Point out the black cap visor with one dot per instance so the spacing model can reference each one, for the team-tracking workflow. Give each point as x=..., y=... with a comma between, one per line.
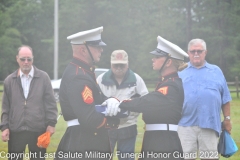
x=159, y=52
x=96, y=43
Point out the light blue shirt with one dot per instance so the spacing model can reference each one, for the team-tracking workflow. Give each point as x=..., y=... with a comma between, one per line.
x=205, y=91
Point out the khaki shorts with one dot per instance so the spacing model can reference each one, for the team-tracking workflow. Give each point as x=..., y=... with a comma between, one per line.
x=198, y=142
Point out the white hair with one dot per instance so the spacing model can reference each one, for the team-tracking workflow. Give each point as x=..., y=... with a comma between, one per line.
x=197, y=41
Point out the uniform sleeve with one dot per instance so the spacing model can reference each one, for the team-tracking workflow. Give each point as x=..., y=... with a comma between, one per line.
x=50, y=104
x=152, y=101
x=5, y=109
x=81, y=98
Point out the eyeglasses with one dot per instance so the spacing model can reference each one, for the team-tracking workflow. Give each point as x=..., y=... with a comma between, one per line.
x=119, y=65
x=24, y=59
x=198, y=51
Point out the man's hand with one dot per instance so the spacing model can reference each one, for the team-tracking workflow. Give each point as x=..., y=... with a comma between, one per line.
x=5, y=135
x=51, y=130
x=112, y=106
x=227, y=126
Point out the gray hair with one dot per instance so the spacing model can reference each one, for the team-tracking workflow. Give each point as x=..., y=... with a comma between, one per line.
x=197, y=41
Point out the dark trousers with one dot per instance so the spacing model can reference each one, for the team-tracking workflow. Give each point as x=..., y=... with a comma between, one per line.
x=17, y=144
x=125, y=139
x=124, y=147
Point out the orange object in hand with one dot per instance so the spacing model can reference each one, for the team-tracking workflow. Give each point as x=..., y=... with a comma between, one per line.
x=44, y=140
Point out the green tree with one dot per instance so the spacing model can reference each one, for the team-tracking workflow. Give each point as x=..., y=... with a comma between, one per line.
x=9, y=40
x=130, y=25
x=217, y=22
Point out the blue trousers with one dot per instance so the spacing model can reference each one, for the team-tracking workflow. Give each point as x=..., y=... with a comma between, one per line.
x=125, y=139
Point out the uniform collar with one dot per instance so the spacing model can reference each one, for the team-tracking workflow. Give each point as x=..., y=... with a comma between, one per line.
x=83, y=64
x=168, y=76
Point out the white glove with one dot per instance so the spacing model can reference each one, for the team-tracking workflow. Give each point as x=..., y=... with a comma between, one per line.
x=112, y=107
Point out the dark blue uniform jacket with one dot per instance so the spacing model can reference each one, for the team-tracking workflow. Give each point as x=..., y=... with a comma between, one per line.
x=79, y=93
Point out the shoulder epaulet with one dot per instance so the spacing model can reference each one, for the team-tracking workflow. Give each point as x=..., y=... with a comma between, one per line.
x=78, y=68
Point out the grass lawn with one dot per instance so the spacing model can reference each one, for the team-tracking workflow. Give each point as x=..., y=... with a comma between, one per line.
x=61, y=127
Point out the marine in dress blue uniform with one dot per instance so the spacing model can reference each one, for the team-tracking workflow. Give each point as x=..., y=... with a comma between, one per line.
x=161, y=109
x=86, y=136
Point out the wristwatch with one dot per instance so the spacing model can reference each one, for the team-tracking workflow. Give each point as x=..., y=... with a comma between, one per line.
x=227, y=117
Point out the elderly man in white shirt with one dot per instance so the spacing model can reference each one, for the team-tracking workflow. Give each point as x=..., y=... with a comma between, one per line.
x=122, y=83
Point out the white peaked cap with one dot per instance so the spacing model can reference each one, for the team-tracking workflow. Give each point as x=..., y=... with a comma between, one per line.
x=91, y=37
x=166, y=48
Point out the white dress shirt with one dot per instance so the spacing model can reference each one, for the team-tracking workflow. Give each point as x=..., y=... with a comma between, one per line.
x=26, y=81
